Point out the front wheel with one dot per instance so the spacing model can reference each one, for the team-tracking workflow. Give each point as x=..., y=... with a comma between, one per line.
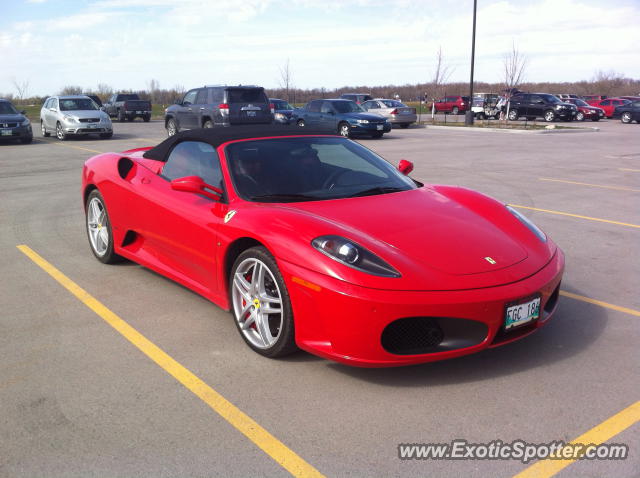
x=146, y=118
x=106, y=135
x=580, y=116
x=172, y=127
x=261, y=305
x=344, y=130
x=455, y=110
x=626, y=117
x=60, y=134
x=513, y=114
x=595, y=118
x=549, y=116
x=26, y=139
x=99, y=229
x=301, y=123
x=121, y=116
x=43, y=128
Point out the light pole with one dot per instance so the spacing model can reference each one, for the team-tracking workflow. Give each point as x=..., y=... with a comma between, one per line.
x=468, y=117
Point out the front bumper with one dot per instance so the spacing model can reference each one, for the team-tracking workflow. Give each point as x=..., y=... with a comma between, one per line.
x=82, y=129
x=16, y=132
x=369, y=128
x=403, y=119
x=345, y=322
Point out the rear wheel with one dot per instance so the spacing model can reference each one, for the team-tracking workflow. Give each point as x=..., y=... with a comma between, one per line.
x=146, y=118
x=208, y=124
x=549, y=116
x=26, y=139
x=455, y=110
x=60, y=134
x=172, y=127
x=480, y=116
x=261, y=305
x=121, y=116
x=377, y=134
x=43, y=128
x=344, y=129
x=99, y=229
x=301, y=123
x=626, y=117
x=404, y=125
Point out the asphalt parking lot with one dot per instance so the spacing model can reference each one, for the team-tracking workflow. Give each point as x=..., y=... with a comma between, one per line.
x=78, y=399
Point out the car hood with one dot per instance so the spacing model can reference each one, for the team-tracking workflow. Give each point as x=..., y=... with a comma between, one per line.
x=363, y=116
x=84, y=113
x=12, y=118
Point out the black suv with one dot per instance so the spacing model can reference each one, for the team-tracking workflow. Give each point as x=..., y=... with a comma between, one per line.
x=540, y=105
x=213, y=106
x=357, y=97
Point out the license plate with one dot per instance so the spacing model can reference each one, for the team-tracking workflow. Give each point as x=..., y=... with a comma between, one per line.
x=520, y=314
x=5, y=132
x=251, y=113
x=380, y=126
x=138, y=112
x=92, y=125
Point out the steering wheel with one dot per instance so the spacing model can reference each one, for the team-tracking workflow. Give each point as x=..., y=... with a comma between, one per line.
x=330, y=182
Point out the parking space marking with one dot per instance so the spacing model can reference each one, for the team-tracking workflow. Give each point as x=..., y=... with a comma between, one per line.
x=629, y=169
x=75, y=147
x=607, y=305
x=152, y=140
x=619, y=188
x=596, y=436
x=264, y=440
x=576, y=215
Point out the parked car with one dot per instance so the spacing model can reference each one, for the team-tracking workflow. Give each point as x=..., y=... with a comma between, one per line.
x=630, y=98
x=342, y=116
x=359, y=98
x=73, y=115
x=127, y=107
x=282, y=110
x=628, y=112
x=609, y=105
x=452, y=104
x=590, y=98
x=540, y=105
x=485, y=105
x=216, y=106
x=96, y=99
x=566, y=96
x=394, y=111
x=314, y=242
x=14, y=124
x=586, y=111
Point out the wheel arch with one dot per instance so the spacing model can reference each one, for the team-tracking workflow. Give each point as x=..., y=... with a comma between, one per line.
x=85, y=195
x=234, y=249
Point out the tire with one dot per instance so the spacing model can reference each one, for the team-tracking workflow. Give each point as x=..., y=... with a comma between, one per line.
x=121, y=116
x=455, y=110
x=172, y=127
x=580, y=116
x=106, y=135
x=549, y=116
x=344, y=130
x=513, y=115
x=146, y=118
x=99, y=229
x=404, y=125
x=208, y=124
x=256, y=285
x=626, y=117
x=480, y=116
x=301, y=123
x=43, y=128
x=377, y=134
x=26, y=139
x=60, y=134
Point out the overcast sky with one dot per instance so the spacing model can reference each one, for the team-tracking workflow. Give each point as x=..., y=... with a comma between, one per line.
x=329, y=43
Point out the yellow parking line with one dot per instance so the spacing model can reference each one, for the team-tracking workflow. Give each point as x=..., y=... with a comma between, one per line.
x=629, y=169
x=596, y=436
x=576, y=215
x=273, y=447
x=626, y=310
x=75, y=147
x=619, y=188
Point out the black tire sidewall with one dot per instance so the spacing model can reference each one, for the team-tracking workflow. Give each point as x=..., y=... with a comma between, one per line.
x=110, y=256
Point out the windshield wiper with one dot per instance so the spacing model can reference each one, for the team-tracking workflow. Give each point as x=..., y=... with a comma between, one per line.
x=378, y=190
x=284, y=197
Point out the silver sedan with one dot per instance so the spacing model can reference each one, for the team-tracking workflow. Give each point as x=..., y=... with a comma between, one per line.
x=395, y=111
x=73, y=115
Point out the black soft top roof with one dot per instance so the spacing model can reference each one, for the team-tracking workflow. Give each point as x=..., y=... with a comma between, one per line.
x=217, y=136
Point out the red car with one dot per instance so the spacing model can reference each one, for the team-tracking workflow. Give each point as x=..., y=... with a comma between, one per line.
x=452, y=104
x=585, y=111
x=608, y=105
x=315, y=242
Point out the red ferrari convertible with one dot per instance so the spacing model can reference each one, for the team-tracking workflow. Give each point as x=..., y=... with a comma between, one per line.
x=315, y=242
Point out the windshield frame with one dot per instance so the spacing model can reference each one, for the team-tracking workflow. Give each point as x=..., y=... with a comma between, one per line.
x=11, y=107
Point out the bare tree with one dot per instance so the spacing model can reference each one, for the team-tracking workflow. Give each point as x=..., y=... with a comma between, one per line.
x=608, y=82
x=104, y=91
x=515, y=65
x=441, y=75
x=71, y=90
x=22, y=87
x=153, y=87
x=285, y=78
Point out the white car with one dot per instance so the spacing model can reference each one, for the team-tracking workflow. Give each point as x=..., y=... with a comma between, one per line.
x=73, y=115
x=394, y=111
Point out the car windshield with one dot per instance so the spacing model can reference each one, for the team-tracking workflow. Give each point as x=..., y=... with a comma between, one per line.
x=310, y=169
x=551, y=99
x=393, y=104
x=282, y=105
x=578, y=102
x=73, y=104
x=7, y=109
x=347, y=107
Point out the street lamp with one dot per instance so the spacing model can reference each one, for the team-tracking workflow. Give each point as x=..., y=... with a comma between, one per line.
x=468, y=117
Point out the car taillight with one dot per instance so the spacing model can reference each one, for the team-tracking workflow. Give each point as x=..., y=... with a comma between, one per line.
x=394, y=112
x=273, y=108
x=224, y=108
x=462, y=103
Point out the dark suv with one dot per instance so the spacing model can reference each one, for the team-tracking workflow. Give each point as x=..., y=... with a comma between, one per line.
x=540, y=105
x=357, y=97
x=214, y=106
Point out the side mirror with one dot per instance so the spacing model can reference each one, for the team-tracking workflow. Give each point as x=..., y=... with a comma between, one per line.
x=55, y=110
x=195, y=184
x=23, y=112
x=405, y=167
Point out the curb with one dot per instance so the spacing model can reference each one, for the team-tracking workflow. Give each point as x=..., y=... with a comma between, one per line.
x=516, y=131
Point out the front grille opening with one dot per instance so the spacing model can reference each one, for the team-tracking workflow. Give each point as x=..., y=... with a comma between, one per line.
x=412, y=335
x=553, y=300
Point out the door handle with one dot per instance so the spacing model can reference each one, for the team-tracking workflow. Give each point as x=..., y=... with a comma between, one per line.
x=145, y=181
x=190, y=109
x=202, y=109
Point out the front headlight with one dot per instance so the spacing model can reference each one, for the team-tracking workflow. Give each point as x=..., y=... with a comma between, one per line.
x=353, y=255
x=26, y=122
x=530, y=225
x=361, y=121
x=280, y=116
x=106, y=119
x=69, y=119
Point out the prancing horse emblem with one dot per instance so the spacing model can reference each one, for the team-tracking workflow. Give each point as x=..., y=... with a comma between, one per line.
x=490, y=260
